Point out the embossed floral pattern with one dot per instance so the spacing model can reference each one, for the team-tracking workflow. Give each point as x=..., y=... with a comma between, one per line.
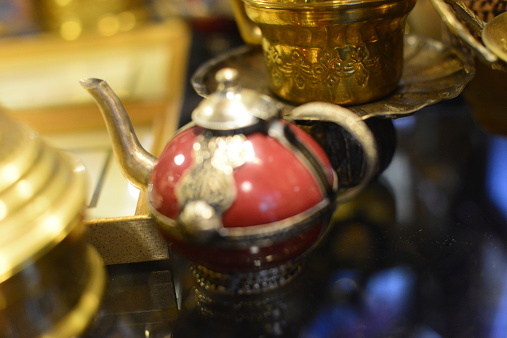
x=331, y=67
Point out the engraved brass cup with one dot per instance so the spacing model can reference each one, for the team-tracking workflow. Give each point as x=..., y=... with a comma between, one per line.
x=345, y=52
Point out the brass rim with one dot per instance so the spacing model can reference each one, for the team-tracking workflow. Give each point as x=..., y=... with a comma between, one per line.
x=77, y=320
x=316, y=4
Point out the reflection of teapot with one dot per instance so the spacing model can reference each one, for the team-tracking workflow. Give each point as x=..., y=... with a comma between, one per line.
x=238, y=190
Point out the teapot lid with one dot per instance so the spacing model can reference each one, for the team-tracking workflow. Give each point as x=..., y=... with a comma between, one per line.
x=232, y=107
x=42, y=195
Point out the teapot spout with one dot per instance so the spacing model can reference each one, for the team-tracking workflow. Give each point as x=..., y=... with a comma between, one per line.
x=135, y=162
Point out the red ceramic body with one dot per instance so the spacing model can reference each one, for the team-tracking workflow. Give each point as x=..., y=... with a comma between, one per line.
x=274, y=185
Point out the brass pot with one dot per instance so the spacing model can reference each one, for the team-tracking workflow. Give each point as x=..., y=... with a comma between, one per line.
x=51, y=281
x=345, y=52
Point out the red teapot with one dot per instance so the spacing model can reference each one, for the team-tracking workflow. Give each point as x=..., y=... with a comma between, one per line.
x=239, y=192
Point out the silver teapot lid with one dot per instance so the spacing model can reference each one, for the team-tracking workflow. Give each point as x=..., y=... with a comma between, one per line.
x=232, y=107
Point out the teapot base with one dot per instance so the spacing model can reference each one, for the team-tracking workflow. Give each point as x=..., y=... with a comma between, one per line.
x=245, y=283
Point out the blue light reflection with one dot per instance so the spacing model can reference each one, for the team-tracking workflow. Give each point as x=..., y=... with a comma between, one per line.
x=496, y=176
x=383, y=305
x=494, y=282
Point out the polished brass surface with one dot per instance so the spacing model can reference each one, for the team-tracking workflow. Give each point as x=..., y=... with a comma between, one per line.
x=51, y=282
x=466, y=28
x=485, y=95
x=486, y=10
x=250, y=32
x=72, y=18
x=494, y=36
x=344, y=52
x=432, y=72
x=41, y=192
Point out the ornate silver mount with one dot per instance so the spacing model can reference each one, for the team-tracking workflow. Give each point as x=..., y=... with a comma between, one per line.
x=231, y=108
x=208, y=188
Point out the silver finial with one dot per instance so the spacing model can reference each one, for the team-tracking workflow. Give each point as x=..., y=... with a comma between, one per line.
x=231, y=107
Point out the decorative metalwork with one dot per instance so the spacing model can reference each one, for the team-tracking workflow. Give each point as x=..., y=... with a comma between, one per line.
x=248, y=282
x=432, y=72
x=205, y=188
x=334, y=51
x=208, y=188
x=487, y=9
x=494, y=36
x=331, y=70
x=467, y=27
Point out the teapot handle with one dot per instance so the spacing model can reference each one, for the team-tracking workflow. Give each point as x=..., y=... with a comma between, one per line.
x=250, y=32
x=352, y=123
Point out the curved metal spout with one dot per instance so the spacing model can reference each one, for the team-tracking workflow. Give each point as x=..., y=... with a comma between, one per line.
x=135, y=162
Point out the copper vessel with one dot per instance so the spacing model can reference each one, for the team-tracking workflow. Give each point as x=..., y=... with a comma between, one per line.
x=51, y=281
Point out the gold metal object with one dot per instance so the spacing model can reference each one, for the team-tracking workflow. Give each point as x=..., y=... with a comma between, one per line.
x=466, y=28
x=494, y=36
x=432, y=72
x=51, y=281
x=200, y=9
x=72, y=18
x=250, y=32
x=485, y=95
x=486, y=10
x=344, y=52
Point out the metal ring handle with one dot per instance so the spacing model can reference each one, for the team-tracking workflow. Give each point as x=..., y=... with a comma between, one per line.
x=328, y=112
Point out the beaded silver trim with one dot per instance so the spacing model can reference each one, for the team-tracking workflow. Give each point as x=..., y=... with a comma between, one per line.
x=245, y=283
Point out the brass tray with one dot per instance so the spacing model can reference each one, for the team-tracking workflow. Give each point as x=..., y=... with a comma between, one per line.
x=432, y=72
